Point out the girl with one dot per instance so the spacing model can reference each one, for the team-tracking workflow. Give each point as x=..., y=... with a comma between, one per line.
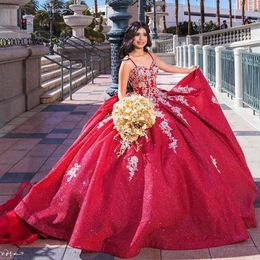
x=186, y=187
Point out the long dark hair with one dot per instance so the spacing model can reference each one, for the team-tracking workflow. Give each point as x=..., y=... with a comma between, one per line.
x=127, y=45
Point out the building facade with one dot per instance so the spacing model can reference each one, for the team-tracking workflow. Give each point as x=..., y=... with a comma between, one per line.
x=210, y=14
x=250, y=5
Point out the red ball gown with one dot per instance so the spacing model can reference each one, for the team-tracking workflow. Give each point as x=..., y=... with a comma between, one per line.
x=186, y=187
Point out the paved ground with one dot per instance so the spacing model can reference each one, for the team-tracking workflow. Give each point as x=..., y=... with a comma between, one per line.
x=32, y=143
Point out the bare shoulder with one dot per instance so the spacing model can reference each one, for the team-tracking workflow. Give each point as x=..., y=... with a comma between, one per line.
x=153, y=55
x=126, y=64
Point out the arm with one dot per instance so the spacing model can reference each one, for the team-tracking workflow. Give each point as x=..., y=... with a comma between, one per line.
x=171, y=68
x=123, y=76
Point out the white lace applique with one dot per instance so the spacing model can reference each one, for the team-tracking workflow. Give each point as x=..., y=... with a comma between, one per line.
x=162, y=98
x=214, y=161
x=194, y=109
x=159, y=114
x=177, y=111
x=132, y=166
x=184, y=101
x=72, y=172
x=214, y=100
x=101, y=123
x=182, y=89
x=167, y=130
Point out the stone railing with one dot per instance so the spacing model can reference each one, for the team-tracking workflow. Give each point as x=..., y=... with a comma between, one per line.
x=163, y=45
x=20, y=80
x=245, y=33
x=235, y=72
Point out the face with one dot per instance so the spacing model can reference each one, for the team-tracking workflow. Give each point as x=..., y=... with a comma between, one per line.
x=140, y=39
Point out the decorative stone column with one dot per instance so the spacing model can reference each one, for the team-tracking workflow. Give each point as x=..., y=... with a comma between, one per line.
x=177, y=56
x=8, y=19
x=188, y=40
x=190, y=46
x=238, y=77
x=218, y=51
x=29, y=23
x=196, y=54
x=175, y=42
x=185, y=65
x=205, y=49
x=181, y=56
x=120, y=18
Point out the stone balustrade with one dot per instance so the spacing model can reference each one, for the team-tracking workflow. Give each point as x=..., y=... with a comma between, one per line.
x=235, y=72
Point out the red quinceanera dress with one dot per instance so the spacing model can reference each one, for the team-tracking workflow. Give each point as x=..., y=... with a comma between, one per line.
x=188, y=186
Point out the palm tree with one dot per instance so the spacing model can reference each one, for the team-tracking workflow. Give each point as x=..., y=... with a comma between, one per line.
x=230, y=13
x=189, y=18
x=218, y=12
x=95, y=8
x=202, y=15
x=41, y=18
x=243, y=11
x=164, y=18
x=177, y=16
x=57, y=4
x=30, y=8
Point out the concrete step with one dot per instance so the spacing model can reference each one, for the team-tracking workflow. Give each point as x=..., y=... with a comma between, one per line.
x=55, y=94
x=54, y=82
x=45, y=61
x=51, y=66
x=54, y=73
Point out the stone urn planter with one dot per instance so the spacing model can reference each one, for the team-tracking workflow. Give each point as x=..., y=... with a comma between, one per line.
x=78, y=21
x=8, y=19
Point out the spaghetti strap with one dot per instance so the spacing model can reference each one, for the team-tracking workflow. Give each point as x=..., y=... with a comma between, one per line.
x=150, y=55
x=132, y=61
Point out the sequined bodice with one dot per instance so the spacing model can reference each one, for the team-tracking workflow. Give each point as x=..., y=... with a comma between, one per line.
x=143, y=79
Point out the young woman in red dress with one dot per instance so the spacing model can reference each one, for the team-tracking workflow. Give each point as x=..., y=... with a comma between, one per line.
x=188, y=186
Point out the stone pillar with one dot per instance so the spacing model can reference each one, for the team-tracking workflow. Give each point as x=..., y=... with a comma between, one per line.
x=190, y=46
x=8, y=19
x=205, y=49
x=181, y=55
x=29, y=23
x=185, y=65
x=218, y=50
x=188, y=40
x=175, y=43
x=201, y=40
x=120, y=18
x=196, y=54
x=177, y=56
x=238, y=77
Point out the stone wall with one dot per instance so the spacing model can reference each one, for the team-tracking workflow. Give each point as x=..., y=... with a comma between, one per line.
x=20, y=80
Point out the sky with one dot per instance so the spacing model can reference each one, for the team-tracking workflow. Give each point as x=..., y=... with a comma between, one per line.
x=209, y=3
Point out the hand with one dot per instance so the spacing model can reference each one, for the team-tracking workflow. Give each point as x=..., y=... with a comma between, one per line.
x=193, y=67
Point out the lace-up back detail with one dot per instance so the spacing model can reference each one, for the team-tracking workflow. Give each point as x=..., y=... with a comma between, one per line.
x=143, y=79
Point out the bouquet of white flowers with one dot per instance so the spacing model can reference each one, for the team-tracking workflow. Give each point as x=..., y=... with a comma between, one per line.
x=132, y=116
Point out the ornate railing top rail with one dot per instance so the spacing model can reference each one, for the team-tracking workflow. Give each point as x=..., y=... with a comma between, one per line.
x=163, y=45
x=226, y=36
x=9, y=42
